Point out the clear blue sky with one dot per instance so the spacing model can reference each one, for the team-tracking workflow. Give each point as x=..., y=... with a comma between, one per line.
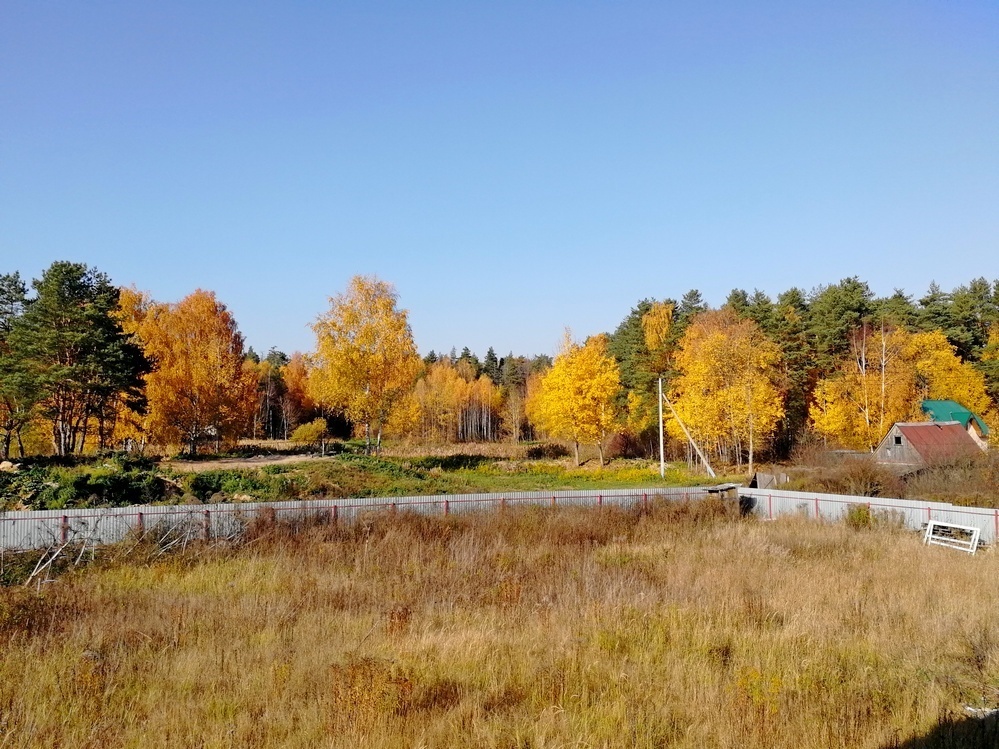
x=513, y=168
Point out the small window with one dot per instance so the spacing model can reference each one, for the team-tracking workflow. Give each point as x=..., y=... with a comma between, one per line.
x=898, y=439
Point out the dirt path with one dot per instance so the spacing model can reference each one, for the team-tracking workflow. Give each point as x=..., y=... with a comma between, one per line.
x=196, y=466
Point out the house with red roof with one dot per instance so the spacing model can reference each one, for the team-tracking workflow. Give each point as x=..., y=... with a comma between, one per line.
x=917, y=444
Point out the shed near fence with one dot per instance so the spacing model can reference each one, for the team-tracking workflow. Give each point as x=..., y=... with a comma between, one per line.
x=921, y=443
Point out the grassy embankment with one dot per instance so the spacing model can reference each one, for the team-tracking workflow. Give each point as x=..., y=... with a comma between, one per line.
x=120, y=481
x=682, y=627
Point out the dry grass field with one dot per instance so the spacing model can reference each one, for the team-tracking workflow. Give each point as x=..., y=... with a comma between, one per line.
x=684, y=626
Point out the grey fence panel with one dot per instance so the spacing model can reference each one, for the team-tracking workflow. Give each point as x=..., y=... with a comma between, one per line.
x=42, y=529
x=913, y=514
x=47, y=528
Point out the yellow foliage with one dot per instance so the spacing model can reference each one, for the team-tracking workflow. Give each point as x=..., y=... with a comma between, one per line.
x=657, y=324
x=575, y=400
x=883, y=382
x=451, y=406
x=941, y=375
x=133, y=306
x=727, y=392
x=365, y=359
x=642, y=412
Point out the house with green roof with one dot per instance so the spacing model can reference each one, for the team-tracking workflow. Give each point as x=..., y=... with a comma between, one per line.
x=941, y=411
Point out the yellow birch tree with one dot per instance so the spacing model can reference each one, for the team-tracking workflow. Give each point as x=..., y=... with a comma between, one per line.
x=727, y=390
x=873, y=388
x=365, y=359
x=575, y=400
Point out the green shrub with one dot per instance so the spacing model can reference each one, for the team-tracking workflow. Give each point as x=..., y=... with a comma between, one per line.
x=229, y=482
x=859, y=517
x=452, y=462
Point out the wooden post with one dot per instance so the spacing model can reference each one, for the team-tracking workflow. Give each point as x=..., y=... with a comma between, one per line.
x=447, y=507
x=208, y=525
x=141, y=524
x=64, y=529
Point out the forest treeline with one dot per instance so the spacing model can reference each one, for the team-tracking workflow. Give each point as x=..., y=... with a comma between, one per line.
x=87, y=366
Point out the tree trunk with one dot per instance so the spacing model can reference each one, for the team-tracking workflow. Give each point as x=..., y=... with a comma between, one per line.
x=575, y=446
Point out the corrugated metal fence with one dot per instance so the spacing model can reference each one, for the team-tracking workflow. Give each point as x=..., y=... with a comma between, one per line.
x=48, y=528
x=912, y=513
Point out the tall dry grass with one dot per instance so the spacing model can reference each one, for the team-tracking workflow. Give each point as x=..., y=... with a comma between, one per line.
x=684, y=626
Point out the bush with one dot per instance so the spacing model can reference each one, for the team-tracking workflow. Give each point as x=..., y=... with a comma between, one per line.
x=451, y=462
x=859, y=517
x=313, y=433
x=547, y=451
x=859, y=476
x=206, y=484
x=626, y=445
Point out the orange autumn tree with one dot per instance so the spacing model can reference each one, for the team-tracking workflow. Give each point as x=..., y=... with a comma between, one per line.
x=201, y=388
x=298, y=404
x=365, y=363
x=132, y=424
x=575, y=399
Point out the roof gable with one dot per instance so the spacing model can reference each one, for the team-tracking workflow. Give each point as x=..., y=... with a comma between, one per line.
x=939, y=441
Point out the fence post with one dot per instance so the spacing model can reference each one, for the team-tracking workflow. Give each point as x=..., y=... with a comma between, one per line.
x=208, y=525
x=502, y=504
x=817, y=515
x=600, y=500
x=770, y=506
x=553, y=500
x=334, y=516
x=447, y=507
x=64, y=529
x=394, y=507
x=141, y=524
x=645, y=501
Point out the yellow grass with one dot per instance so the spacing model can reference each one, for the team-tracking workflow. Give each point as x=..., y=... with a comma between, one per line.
x=682, y=627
